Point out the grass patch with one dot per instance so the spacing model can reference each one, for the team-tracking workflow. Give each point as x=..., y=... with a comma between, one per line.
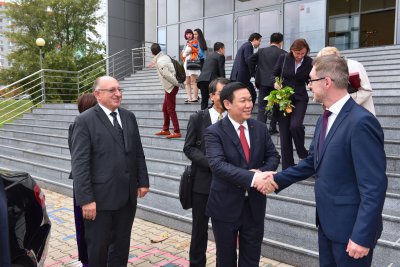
x=11, y=108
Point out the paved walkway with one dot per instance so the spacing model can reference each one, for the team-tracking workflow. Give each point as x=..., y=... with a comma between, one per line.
x=145, y=250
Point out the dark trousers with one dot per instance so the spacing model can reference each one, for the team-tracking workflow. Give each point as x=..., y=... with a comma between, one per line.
x=108, y=237
x=263, y=92
x=252, y=92
x=80, y=233
x=250, y=238
x=198, y=243
x=333, y=254
x=205, y=93
x=169, y=112
x=291, y=128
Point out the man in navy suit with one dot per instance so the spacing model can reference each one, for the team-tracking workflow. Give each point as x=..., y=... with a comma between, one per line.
x=240, y=154
x=348, y=160
x=240, y=70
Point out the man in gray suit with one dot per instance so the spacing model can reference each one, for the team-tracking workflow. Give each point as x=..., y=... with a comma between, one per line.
x=214, y=67
x=261, y=64
x=109, y=170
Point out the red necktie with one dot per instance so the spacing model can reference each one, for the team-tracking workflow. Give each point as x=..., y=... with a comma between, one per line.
x=245, y=145
x=321, y=143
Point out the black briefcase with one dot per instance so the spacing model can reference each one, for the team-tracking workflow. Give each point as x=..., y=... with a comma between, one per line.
x=185, y=188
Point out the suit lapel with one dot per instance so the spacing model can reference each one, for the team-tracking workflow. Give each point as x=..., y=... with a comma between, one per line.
x=206, y=119
x=125, y=127
x=253, y=138
x=339, y=119
x=107, y=123
x=232, y=133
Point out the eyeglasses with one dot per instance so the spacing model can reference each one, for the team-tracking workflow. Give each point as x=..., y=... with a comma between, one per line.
x=309, y=81
x=112, y=90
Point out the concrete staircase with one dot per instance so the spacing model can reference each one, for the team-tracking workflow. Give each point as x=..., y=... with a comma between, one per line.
x=37, y=143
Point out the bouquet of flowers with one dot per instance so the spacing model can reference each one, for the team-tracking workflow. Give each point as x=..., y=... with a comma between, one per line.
x=280, y=97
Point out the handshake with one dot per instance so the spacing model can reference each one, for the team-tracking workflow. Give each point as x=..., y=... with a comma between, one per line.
x=264, y=182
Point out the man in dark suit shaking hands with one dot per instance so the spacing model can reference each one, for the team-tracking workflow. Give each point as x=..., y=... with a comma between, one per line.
x=109, y=170
x=240, y=154
x=348, y=160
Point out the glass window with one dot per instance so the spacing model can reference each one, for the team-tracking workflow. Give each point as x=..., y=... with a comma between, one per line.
x=162, y=37
x=190, y=10
x=162, y=12
x=172, y=11
x=374, y=5
x=305, y=19
x=241, y=5
x=214, y=34
x=213, y=7
x=173, y=41
x=269, y=23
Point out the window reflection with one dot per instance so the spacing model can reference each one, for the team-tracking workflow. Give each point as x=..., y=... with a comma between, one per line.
x=162, y=12
x=214, y=34
x=190, y=9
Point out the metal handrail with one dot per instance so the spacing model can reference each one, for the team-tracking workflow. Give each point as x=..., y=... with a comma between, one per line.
x=49, y=85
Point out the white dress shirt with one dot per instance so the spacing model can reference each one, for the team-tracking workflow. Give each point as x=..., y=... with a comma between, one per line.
x=335, y=109
x=111, y=118
x=215, y=114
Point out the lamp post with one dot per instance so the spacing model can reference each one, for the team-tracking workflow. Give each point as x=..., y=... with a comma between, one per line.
x=40, y=42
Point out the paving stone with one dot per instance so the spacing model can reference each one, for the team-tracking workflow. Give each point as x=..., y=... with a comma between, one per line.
x=171, y=252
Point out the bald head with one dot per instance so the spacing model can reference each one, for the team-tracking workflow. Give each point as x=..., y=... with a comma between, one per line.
x=107, y=92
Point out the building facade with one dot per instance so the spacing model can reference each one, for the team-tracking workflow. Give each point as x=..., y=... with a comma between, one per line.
x=345, y=24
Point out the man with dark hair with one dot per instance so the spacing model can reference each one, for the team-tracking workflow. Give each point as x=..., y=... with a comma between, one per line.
x=240, y=70
x=214, y=66
x=240, y=155
x=261, y=65
x=348, y=161
x=166, y=74
x=195, y=150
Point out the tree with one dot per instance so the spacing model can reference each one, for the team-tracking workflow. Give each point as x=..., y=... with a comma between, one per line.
x=68, y=26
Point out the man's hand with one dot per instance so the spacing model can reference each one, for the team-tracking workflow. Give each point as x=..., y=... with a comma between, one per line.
x=263, y=184
x=142, y=191
x=89, y=211
x=277, y=86
x=151, y=64
x=356, y=251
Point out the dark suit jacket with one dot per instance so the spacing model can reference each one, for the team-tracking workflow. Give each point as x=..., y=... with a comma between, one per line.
x=296, y=80
x=262, y=63
x=240, y=70
x=214, y=66
x=103, y=169
x=195, y=150
x=230, y=171
x=350, y=178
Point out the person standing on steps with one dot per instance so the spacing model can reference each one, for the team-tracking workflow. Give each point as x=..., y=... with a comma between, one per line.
x=261, y=65
x=214, y=66
x=166, y=74
x=195, y=150
x=240, y=70
x=191, y=51
x=203, y=49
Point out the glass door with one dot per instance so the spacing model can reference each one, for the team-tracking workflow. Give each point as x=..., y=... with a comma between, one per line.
x=263, y=21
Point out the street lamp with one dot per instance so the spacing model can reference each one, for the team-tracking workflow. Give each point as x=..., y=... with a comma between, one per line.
x=40, y=42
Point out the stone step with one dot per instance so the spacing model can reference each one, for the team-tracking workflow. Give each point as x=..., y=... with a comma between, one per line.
x=37, y=128
x=44, y=147
x=48, y=138
x=37, y=169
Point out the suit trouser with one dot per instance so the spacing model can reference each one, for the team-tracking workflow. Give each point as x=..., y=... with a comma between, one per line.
x=250, y=238
x=333, y=254
x=291, y=127
x=198, y=243
x=169, y=112
x=108, y=237
x=205, y=93
x=263, y=92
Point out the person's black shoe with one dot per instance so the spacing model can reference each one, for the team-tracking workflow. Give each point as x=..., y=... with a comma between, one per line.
x=273, y=131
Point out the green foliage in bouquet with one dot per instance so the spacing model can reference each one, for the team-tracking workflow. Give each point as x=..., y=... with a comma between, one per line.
x=281, y=98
